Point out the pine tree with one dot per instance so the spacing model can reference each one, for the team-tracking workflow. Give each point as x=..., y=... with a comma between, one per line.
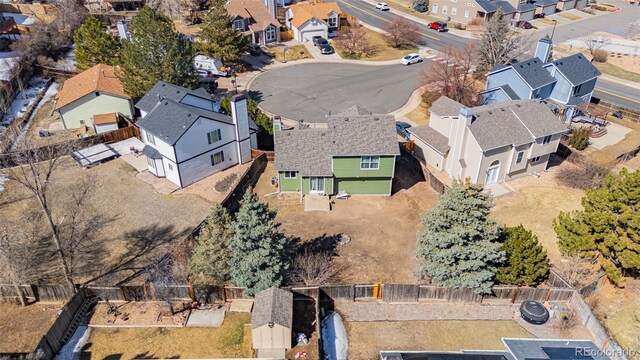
x=460, y=244
x=211, y=254
x=219, y=39
x=155, y=52
x=608, y=228
x=94, y=45
x=526, y=263
x=258, y=254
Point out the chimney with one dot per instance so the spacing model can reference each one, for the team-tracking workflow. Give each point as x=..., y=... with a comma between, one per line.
x=467, y=115
x=123, y=31
x=543, y=49
x=277, y=123
x=240, y=117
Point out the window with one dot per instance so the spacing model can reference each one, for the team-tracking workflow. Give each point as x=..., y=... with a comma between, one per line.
x=369, y=162
x=170, y=167
x=435, y=9
x=214, y=136
x=519, y=157
x=444, y=9
x=270, y=34
x=546, y=140
x=151, y=139
x=466, y=14
x=97, y=93
x=217, y=158
x=238, y=24
x=576, y=89
x=290, y=174
x=151, y=163
x=333, y=21
x=535, y=159
x=454, y=11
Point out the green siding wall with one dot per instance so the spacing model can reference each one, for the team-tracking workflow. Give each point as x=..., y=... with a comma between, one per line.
x=89, y=105
x=349, y=167
x=328, y=185
x=288, y=184
x=364, y=186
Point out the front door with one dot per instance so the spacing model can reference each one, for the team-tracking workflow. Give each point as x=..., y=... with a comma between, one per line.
x=492, y=173
x=316, y=185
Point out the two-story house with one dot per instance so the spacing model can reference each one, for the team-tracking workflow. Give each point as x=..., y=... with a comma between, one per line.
x=186, y=139
x=254, y=19
x=307, y=20
x=563, y=84
x=354, y=154
x=490, y=143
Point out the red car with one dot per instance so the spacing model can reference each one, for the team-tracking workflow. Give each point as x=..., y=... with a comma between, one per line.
x=524, y=25
x=438, y=26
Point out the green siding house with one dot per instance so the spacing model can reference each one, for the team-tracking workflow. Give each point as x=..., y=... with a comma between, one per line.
x=355, y=154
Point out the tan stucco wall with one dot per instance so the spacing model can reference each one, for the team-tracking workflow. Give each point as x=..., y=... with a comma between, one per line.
x=427, y=154
x=90, y=105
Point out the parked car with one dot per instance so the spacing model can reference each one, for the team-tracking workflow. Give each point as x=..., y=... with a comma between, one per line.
x=524, y=25
x=326, y=49
x=539, y=16
x=439, y=26
x=382, y=6
x=255, y=50
x=411, y=59
x=401, y=129
x=420, y=7
x=319, y=40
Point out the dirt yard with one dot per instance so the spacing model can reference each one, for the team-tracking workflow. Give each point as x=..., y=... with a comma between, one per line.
x=367, y=339
x=43, y=118
x=123, y=225
x=382, y=229
x=141, y=313
x=382, y=49
x=23, y=327
x=232, y=339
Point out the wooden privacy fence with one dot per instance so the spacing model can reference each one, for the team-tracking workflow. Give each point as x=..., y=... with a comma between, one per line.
x=271, y=155
x=179, y=292
x=249, y=178
x=38, y=293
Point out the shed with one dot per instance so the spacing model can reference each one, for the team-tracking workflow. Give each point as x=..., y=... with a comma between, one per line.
x=103, y=123
x=271, y=322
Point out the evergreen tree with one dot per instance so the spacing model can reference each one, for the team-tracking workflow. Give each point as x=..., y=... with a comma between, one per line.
x=94, y=45
x=210, y=254
x=498, y=43
x=608, y=227
x=219, y=39
x=460, y=244
x=258, y=257
x=155, y=52
x=526, y=263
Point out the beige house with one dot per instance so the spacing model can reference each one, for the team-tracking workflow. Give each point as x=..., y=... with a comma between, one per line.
x=255, y=20
x=307, y=20
x=271, y=322
x=95, y=91
x=488, y=144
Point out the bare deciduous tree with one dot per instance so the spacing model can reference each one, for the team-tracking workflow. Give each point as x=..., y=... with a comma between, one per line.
x=595, y=43
x=577, y=271
x=499, y=43
x=313, y=269
x=402, y=32
x=160, y=272
x=16, y=258
x=452, y=76
x=354, y=42
x=584, y=175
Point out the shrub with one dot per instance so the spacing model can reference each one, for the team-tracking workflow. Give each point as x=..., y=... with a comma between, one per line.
x=600, y=56
x=588, y=175
x=428, y=97
x=475, y=21
x=580, y=138
x=459, y=26
x=588, y=11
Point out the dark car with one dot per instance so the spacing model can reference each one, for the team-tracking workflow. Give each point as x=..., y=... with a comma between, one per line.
x=539, y=16
x=421, y=7
x=524, y=25
x=319, y=40
x=326, y=49
x=438, y=26
x=255, y=50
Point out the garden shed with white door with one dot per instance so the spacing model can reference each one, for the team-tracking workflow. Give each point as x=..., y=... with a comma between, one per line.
x=271, y=322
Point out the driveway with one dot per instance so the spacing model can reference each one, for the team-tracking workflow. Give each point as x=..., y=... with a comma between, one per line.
x=315, y=52
x=311, y=91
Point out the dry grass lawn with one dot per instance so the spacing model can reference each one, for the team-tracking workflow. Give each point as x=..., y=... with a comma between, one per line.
x=407, y=7
x=21, y=328
x=232, y=339
x=382, y=49
x=419, y=115
x=570, y=16
x=625, y=328
x=296, y=52
x=547, y=21
x=366, y=339
x=617, y=71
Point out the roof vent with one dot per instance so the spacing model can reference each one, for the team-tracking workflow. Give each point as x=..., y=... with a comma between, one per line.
x=517, y=105
x=521, y=67
x=189, y=115
x=528, y=63
x=166, y=103
x=502, y=109
x=288, y=134
x=376, y=118
x=490, y=112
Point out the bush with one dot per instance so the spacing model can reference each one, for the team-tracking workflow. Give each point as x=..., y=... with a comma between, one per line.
x=588, y=11
x=600, y=56
x=476, y=21
x=580, y=138
x=459, y=26
x=588, y=175
x=428, y=97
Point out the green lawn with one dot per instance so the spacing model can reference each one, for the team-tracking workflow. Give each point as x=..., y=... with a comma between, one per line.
x=617, y=71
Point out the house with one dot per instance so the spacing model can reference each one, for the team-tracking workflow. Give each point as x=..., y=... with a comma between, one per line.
x=186, y=139
x=254, y=19
x=271, y=323
x=307, y=20
x=92, y=92
x=490, y=143
x=9, y=79
x=103, y=123
x=354, y=154
x=563, y=84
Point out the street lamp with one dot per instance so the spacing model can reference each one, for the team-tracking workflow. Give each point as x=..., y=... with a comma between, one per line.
x=234, y=81
x=555, y=22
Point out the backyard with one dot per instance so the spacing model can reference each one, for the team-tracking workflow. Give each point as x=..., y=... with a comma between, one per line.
x=23, y=327
x=232, y=339
x=382, y=230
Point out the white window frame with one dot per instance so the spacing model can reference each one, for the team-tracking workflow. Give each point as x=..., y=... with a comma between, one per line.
x=369, y=162
x=434, y=10
x=333, y=21
x=213, y=158
x=270, y=34
x=546, y=140
x=454, y=11
x=214, y=139
x=577, y=89
x=290, y=174
x=150, y=138
x=535, y=159
x=238, y=24
x=444, y=9
x=519, y=157
x=151, y=163
x=466, y=14
x=170, y=166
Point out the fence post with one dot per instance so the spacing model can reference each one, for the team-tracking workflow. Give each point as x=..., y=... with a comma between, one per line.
x=192, y=294
x=124, y=297
x=153, y=292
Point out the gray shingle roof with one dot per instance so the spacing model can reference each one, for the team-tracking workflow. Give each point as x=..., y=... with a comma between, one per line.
x=545, y=2
x=491, y=6
x=445, y=106
x=533, y=73
x=504, y=88
x=310, y=151
x=355, y=110
x=272, y=305
x=164, y=90
x=553, y=349
x=151, y=152
x=430, y=136
x=576, y=68
x=526, y=7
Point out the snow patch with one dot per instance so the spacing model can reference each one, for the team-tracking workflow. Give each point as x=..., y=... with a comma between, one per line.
x=51, y=91
x=23, y=100
x=73, y=349
x=3, y=179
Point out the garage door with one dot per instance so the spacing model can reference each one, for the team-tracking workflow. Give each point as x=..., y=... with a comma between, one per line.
x=364, y=186
x=309, y=34
x=527, y=16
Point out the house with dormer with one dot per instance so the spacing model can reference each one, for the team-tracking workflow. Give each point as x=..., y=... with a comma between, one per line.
x=307, y=20
x=563, y=84
x=255, y=19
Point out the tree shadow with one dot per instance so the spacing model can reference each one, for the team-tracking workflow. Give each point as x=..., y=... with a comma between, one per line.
x=255, y=95
x=321, y=244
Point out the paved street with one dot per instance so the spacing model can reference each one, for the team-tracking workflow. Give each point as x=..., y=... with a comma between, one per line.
x=313, y=90
x=618, y=94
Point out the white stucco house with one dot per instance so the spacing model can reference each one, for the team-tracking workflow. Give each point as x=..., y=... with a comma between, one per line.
x=307, y=20
x=186, y=137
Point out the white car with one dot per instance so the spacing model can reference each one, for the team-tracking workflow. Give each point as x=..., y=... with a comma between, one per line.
x=411, y=59
x=382, y=6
